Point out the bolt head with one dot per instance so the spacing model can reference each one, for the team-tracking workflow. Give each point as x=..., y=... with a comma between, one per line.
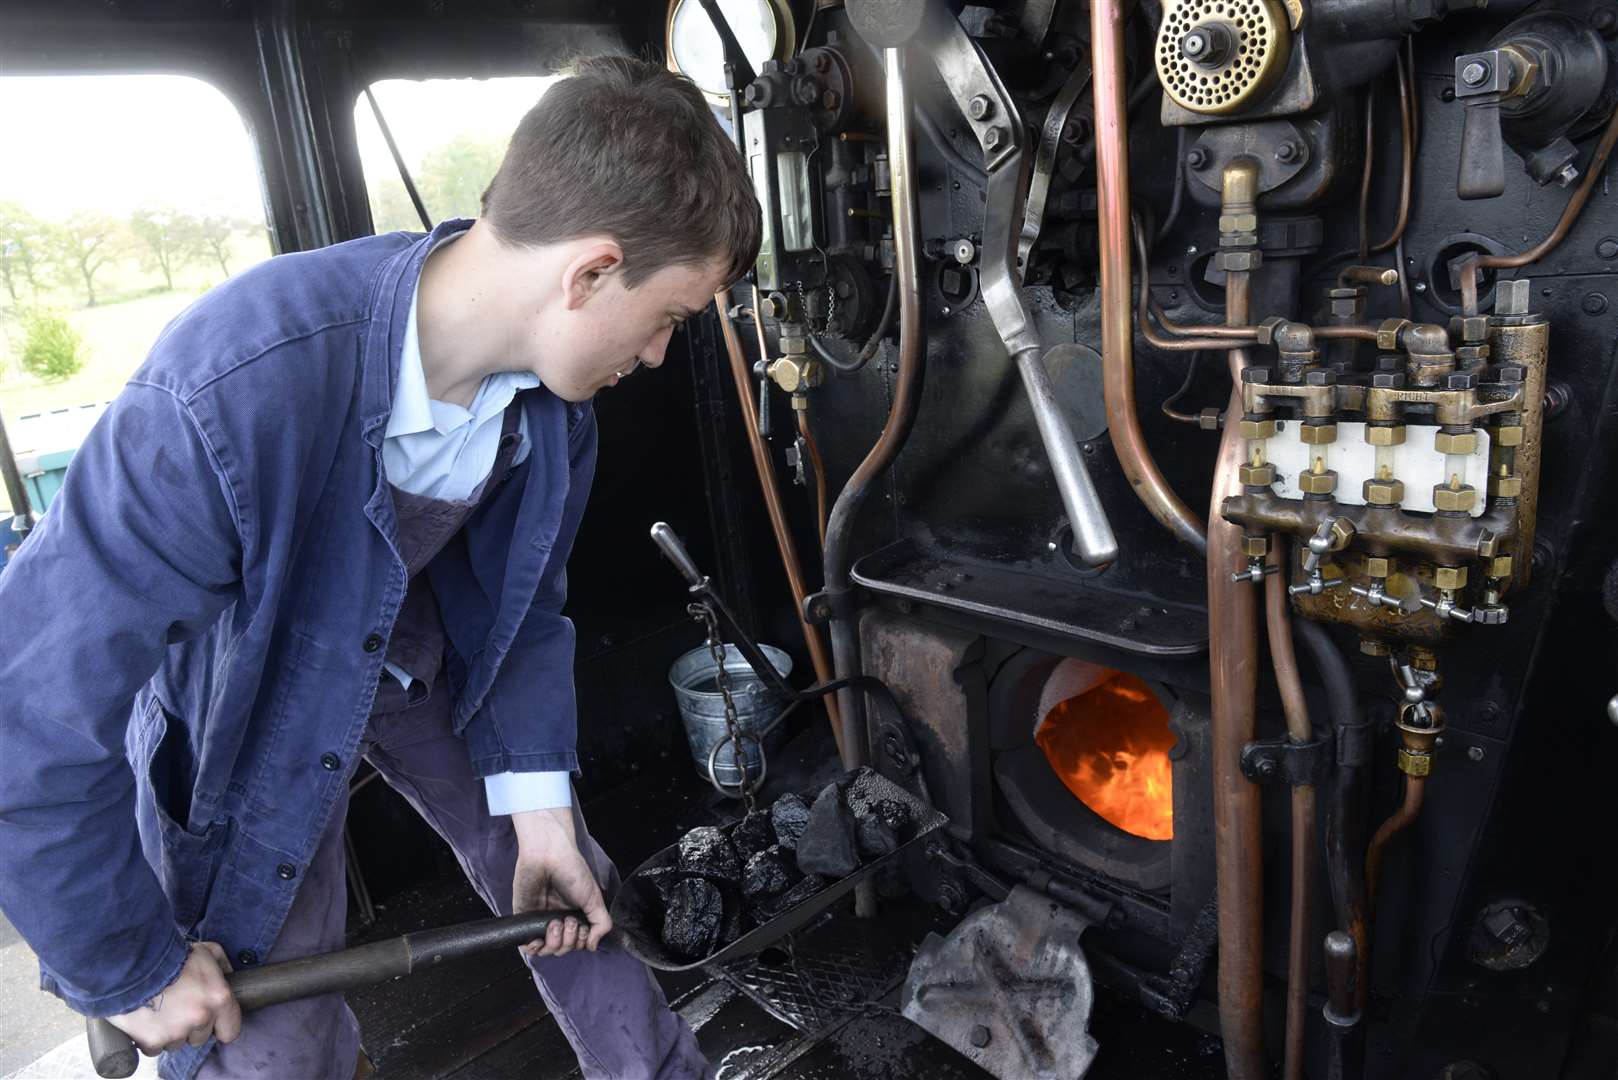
x=1385, y=435
x=1388, y=380
x=1257, y=476
x=1459, y=380
x=1508, y=435
x=1383, y=492
x=1594, y=303
x=980, y=107
x=981, y=1036
x=1198, y=159
x=994, y=138
x=1317, y=434
x=1320, y=377
x=1195, y=44
x=1255, y=547
x=1257, y=429
x=1475, y=753
x=1505, y=487
x=1513, y=297
x=1448, y=443
x=1607, y=249
x=1499, y=566
x=1449, y=577
x=1317, y=483
x=1474, y=73
x=1287, y=152
x=1378, y=566
x=1454, y=500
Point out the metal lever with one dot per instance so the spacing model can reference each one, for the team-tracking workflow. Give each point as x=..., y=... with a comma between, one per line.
x=1093, y=539
x=1330, y=536
x=762, y=370
x=995, y=122
x=1481, y=80
x=1257, y=570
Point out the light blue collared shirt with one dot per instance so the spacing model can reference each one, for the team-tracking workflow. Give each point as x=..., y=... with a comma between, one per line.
x=445, y=451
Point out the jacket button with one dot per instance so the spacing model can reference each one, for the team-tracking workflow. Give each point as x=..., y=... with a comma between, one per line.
x=286, y=871
x=330, y=762
x=247, y=958
x=373, y=642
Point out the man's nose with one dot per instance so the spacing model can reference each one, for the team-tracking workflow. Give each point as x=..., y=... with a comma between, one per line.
x=652, y=354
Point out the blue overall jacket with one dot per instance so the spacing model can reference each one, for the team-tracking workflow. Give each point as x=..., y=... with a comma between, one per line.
x=194, y=633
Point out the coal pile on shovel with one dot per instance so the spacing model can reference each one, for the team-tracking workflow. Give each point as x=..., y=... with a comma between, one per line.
x=725, y=892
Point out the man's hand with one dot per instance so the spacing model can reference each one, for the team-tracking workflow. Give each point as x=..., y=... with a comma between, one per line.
x=551, y=873
x=193, y=1008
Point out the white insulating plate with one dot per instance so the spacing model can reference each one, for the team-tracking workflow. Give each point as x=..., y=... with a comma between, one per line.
x=1414, y=462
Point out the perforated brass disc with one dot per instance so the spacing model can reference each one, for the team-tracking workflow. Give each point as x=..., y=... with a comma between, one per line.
x=1258, y=55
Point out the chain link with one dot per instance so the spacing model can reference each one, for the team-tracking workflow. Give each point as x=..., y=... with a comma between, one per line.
x=831, y=308
x=704, y=614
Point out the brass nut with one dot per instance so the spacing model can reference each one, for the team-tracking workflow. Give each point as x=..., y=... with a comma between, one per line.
x=1255, y=546
x=1258, y=429
x=1317, y=483
x=1317, y=434
x=1238, y=223
x=1451, y=499
x=1340, y=534
x=1449, y=443
x=1505, y=487
x=1384, y=492
x=1469, y=327
x=1449, y=577
x=1414, y=762
x=1508, y=435
x=1257, y=475
x=1392, y=435
x=1378, y=566
x=1500, y=567
x=1373, y=647
x=1238, y=260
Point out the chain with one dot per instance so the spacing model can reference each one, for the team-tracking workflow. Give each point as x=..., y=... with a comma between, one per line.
x=831, y=308
x=704, y=614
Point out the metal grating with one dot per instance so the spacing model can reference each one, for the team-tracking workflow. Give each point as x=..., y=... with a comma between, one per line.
x=820, y=977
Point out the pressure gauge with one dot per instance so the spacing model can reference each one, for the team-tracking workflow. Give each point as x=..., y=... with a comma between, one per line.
x=763, y=28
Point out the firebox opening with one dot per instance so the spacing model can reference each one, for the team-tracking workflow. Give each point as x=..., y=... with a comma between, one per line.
x=1110, y=745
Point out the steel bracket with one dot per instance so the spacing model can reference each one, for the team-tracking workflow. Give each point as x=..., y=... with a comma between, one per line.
x=1293, y=763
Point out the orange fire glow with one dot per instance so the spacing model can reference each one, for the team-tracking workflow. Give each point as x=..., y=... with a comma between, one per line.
x=1110, y=746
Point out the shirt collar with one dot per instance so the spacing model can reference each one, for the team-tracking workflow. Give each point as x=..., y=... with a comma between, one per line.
x=414, y=410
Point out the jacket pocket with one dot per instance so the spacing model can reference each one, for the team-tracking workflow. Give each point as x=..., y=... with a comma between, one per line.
x=186, y=860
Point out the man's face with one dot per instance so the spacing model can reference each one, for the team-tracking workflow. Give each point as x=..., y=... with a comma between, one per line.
x=604, y=332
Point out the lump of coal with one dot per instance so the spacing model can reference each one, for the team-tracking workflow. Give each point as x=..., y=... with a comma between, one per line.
x=895, y=813
x=766, y=874
x=692, y=913
x=753, y=833
x=706, y=850
x=803, y=890
x=827, y=845
x=876, y=837
x=789, y=815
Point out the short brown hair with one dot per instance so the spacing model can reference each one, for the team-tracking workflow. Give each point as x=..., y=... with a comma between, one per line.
x=628, y=149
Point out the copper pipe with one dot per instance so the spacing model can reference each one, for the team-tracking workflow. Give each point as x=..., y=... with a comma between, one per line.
x=1407, y=143
x=822, y=506
x=1278, y=622
x=906, y=399
x=1365, y=173
x=1107, y=18
x=1367, y=275
x=1575, y=205
x=1397, y=822
x=1233, y=676
x=739, y=371
x=1210, y=337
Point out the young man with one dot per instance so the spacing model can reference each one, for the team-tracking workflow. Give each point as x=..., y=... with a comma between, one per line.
x=328, y=519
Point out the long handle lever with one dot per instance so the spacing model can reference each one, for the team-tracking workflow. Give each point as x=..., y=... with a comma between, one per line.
x=114, y=1055
x=1093, y=538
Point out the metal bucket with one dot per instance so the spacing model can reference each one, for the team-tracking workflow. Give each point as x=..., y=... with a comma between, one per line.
x=702, y=708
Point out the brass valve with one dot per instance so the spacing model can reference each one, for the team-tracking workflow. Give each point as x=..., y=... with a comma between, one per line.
x=795, y=374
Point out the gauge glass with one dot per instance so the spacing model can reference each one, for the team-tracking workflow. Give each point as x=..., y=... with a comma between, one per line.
x=694, y=44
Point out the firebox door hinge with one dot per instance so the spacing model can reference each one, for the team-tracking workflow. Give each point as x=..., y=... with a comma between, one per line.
x=1293, y=763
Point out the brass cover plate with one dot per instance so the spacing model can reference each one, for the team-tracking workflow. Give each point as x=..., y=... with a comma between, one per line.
x=1262, y=44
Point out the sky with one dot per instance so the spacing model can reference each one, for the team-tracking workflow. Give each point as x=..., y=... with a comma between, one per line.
x=111, y=143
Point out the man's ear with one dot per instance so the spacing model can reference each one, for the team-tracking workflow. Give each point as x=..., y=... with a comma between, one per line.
x=592, y=264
